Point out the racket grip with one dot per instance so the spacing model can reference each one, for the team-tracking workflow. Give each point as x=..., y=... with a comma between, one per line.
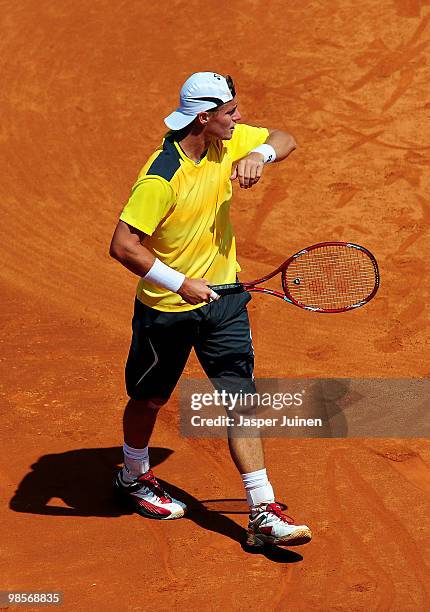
x=228, y=289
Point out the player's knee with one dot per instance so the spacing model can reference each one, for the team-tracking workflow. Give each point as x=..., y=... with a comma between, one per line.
x=156, y=403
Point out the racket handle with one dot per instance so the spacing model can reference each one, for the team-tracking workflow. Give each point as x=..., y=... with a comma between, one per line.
x=228, y=289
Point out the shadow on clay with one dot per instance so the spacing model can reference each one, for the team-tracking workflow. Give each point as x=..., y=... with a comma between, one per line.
x=79, y=483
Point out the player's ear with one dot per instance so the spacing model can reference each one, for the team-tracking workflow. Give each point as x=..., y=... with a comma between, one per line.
x=203, y=118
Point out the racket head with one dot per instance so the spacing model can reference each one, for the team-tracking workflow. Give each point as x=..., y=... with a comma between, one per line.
x=330, y=277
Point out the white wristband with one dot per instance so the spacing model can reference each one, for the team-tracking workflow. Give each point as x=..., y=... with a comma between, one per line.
x=267, y=151
x=164, y=276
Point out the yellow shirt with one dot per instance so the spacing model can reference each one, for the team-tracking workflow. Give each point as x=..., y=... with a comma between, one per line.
x=183, y=207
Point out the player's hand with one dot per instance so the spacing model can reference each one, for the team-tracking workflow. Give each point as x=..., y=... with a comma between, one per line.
x=249, y=170
x=197, y=290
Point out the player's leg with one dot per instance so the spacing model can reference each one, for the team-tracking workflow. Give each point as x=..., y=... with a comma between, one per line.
x=160, y=346
x=247, y=453
x=139, y=420
x=225, y=351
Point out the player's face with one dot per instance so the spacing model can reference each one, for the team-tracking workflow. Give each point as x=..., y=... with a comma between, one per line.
x=221, y=124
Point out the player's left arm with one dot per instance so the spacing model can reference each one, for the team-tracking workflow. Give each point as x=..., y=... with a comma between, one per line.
x=283, y=143
x=250, y=168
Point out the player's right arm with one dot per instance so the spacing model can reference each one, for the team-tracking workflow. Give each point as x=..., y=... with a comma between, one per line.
x=150, y=201
x=127, y=248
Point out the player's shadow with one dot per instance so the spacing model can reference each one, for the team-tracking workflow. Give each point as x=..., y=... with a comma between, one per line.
x=79, y=483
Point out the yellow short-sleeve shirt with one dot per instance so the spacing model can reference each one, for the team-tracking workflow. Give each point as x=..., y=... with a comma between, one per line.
x=183, y=207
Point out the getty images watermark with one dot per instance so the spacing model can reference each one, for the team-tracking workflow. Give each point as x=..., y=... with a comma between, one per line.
x=305, y=408
x=241, y=406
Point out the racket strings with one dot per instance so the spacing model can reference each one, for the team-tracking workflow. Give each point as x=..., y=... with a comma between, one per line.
x=330, y=277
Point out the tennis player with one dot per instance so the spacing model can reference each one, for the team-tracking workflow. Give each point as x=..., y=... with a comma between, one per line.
x=175, y=235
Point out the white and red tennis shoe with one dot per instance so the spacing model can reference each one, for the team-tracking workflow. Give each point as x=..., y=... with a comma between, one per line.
x=269, y=525
x=146, y=496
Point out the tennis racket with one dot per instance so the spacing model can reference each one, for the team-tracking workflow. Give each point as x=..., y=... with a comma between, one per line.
x=325, y=277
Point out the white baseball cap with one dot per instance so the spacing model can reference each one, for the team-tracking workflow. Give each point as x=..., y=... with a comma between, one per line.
x=202, y=91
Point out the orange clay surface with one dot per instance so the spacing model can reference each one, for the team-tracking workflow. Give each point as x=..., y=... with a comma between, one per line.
x=84, y=88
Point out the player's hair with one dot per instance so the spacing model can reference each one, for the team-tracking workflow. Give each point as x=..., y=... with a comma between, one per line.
x=230, y=85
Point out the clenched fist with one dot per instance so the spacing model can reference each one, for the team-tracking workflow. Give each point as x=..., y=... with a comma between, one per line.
x=197, y=290
x=248, y=170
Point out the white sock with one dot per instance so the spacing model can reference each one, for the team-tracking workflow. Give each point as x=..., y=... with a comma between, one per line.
x=136, y=462
x=258, y=488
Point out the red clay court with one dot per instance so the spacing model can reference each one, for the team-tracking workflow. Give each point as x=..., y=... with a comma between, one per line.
x=85, y=86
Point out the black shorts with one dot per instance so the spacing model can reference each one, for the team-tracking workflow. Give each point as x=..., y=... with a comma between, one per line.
x=161, y=343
